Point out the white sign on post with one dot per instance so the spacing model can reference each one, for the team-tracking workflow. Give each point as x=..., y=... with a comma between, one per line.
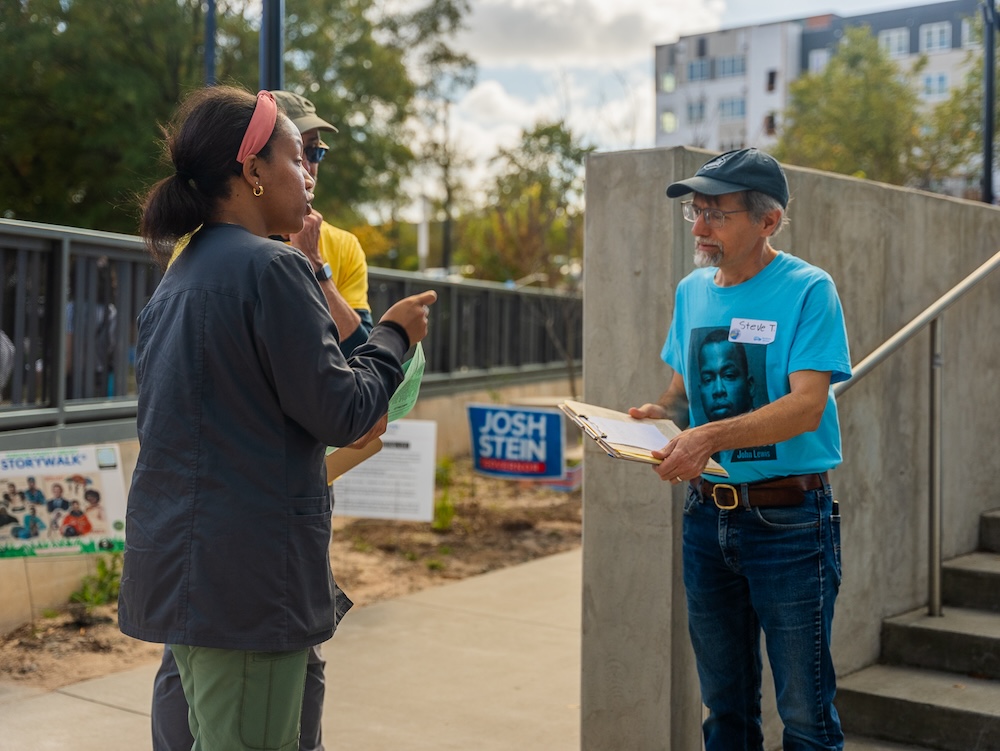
x=395, y=483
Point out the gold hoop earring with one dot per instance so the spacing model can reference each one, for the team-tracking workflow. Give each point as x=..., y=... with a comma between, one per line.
x=258, y=190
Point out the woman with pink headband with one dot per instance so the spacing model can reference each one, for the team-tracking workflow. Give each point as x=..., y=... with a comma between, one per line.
x=242, y=385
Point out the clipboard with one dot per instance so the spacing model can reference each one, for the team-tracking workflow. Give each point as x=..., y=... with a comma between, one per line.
x=624, y=437
x=341, y=460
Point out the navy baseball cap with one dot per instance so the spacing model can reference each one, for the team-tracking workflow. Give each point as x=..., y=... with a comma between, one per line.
x=735, y=171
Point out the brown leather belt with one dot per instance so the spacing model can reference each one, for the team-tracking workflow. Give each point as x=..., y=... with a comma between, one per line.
x=781, y=491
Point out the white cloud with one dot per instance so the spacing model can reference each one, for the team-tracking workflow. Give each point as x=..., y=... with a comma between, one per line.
x=588, y=62
x=589, y=33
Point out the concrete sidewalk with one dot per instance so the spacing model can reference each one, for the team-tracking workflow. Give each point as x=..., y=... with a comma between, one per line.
x=487, y=663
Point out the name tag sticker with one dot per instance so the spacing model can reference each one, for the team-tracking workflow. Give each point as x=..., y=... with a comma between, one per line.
x=749, y=331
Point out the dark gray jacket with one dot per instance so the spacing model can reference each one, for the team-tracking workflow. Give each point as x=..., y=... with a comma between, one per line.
x=242, y=385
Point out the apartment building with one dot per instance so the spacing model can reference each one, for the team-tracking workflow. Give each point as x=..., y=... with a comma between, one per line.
x=727, y=89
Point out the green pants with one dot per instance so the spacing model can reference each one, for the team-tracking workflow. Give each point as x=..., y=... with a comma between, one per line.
x=242, y=701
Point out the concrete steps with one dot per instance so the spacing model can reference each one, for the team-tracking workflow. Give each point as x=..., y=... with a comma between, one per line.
x=938, y=684
x=961, y=641
x=927, y=708
x=989, y=531
x=971, y=581
x=867, y=744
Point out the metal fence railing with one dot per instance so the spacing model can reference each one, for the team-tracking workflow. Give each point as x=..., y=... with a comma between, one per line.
x=71, y=297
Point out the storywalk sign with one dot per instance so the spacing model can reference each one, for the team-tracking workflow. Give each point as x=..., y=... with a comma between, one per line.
x=517, y=442
x=67, y=500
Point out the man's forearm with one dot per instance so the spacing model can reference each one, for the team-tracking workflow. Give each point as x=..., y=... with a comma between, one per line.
x=346, y=318
x=674, y=402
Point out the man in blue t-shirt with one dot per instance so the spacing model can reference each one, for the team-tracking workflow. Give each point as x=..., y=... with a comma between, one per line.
x=757, y=340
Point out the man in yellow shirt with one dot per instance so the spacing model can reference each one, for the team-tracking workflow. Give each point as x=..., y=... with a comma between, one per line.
x=336, y=255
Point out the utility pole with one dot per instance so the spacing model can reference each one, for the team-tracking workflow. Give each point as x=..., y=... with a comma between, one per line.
x=989, y=91
x=272, y=28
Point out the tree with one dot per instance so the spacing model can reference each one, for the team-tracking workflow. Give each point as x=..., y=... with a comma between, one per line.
x=90, y=83
x=442, y=74
x=86, y=85
x=954, y=132
x=348, y=60
x=533, y=231
x=952, y=142
x=533, y=225
x=859, y=116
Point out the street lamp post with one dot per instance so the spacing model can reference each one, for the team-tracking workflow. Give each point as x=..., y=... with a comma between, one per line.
x=271, y=45
x=210, y=43
x=989, y=73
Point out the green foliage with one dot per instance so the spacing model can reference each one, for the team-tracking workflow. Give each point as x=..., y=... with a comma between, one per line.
x=444, y=473
x=435, y=565
x=362, y=546
x=86, y=85
x=859, y=116
x=89, y=84
x=348, y=61
x=535, y=219
x=444, y=512
x=100, y=588
x=953, y=135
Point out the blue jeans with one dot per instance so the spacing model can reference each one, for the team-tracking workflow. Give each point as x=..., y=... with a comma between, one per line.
x=776, y=570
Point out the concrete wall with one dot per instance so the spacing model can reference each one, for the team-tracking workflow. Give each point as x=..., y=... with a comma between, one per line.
x=892, y=252
x=29, y=586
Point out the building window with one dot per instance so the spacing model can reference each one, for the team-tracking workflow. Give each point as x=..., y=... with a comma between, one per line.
x=668, y=122
x=668, y=82
x=818, y=60
x=733, y=65
x=770, y=126
x=772, y=80
x=698, y=70
x=895, y=42
x=935, y=85
x=696, y=111
x=969, y=38
x=702, y=47
x=732, y=108
x=935, y=37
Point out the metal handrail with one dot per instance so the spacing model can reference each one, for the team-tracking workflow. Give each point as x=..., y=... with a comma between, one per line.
x=930, y=316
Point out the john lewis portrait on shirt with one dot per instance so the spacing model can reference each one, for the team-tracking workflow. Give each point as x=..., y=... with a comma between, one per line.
x=730, y=380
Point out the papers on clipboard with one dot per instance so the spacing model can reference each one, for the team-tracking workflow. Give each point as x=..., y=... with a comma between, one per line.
x=340, y=460
x=624, y=437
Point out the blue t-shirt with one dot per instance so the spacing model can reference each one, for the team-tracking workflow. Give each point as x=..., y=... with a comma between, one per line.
x=736, y=346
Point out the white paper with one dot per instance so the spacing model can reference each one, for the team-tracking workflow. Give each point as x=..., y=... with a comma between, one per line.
x=640, y=434
x=398, y=481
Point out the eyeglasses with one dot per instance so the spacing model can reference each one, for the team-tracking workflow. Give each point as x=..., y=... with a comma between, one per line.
x=714, y=218
x=315, y=153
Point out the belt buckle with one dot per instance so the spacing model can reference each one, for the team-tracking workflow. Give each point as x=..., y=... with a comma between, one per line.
x=730, y=488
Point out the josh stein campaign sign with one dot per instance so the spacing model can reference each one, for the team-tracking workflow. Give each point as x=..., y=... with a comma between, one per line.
x=517, y=442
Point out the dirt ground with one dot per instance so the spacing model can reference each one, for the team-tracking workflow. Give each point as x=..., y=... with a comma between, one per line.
x=496, y=523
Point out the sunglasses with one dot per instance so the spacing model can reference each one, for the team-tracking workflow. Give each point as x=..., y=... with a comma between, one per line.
x=315, y=153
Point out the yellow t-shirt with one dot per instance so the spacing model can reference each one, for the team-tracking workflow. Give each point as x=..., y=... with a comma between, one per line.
x=342, y=250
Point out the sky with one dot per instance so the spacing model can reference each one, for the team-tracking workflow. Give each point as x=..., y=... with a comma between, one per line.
x=590, y=63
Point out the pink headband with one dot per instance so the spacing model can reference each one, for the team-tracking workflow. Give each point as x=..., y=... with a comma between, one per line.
x=265, y=113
